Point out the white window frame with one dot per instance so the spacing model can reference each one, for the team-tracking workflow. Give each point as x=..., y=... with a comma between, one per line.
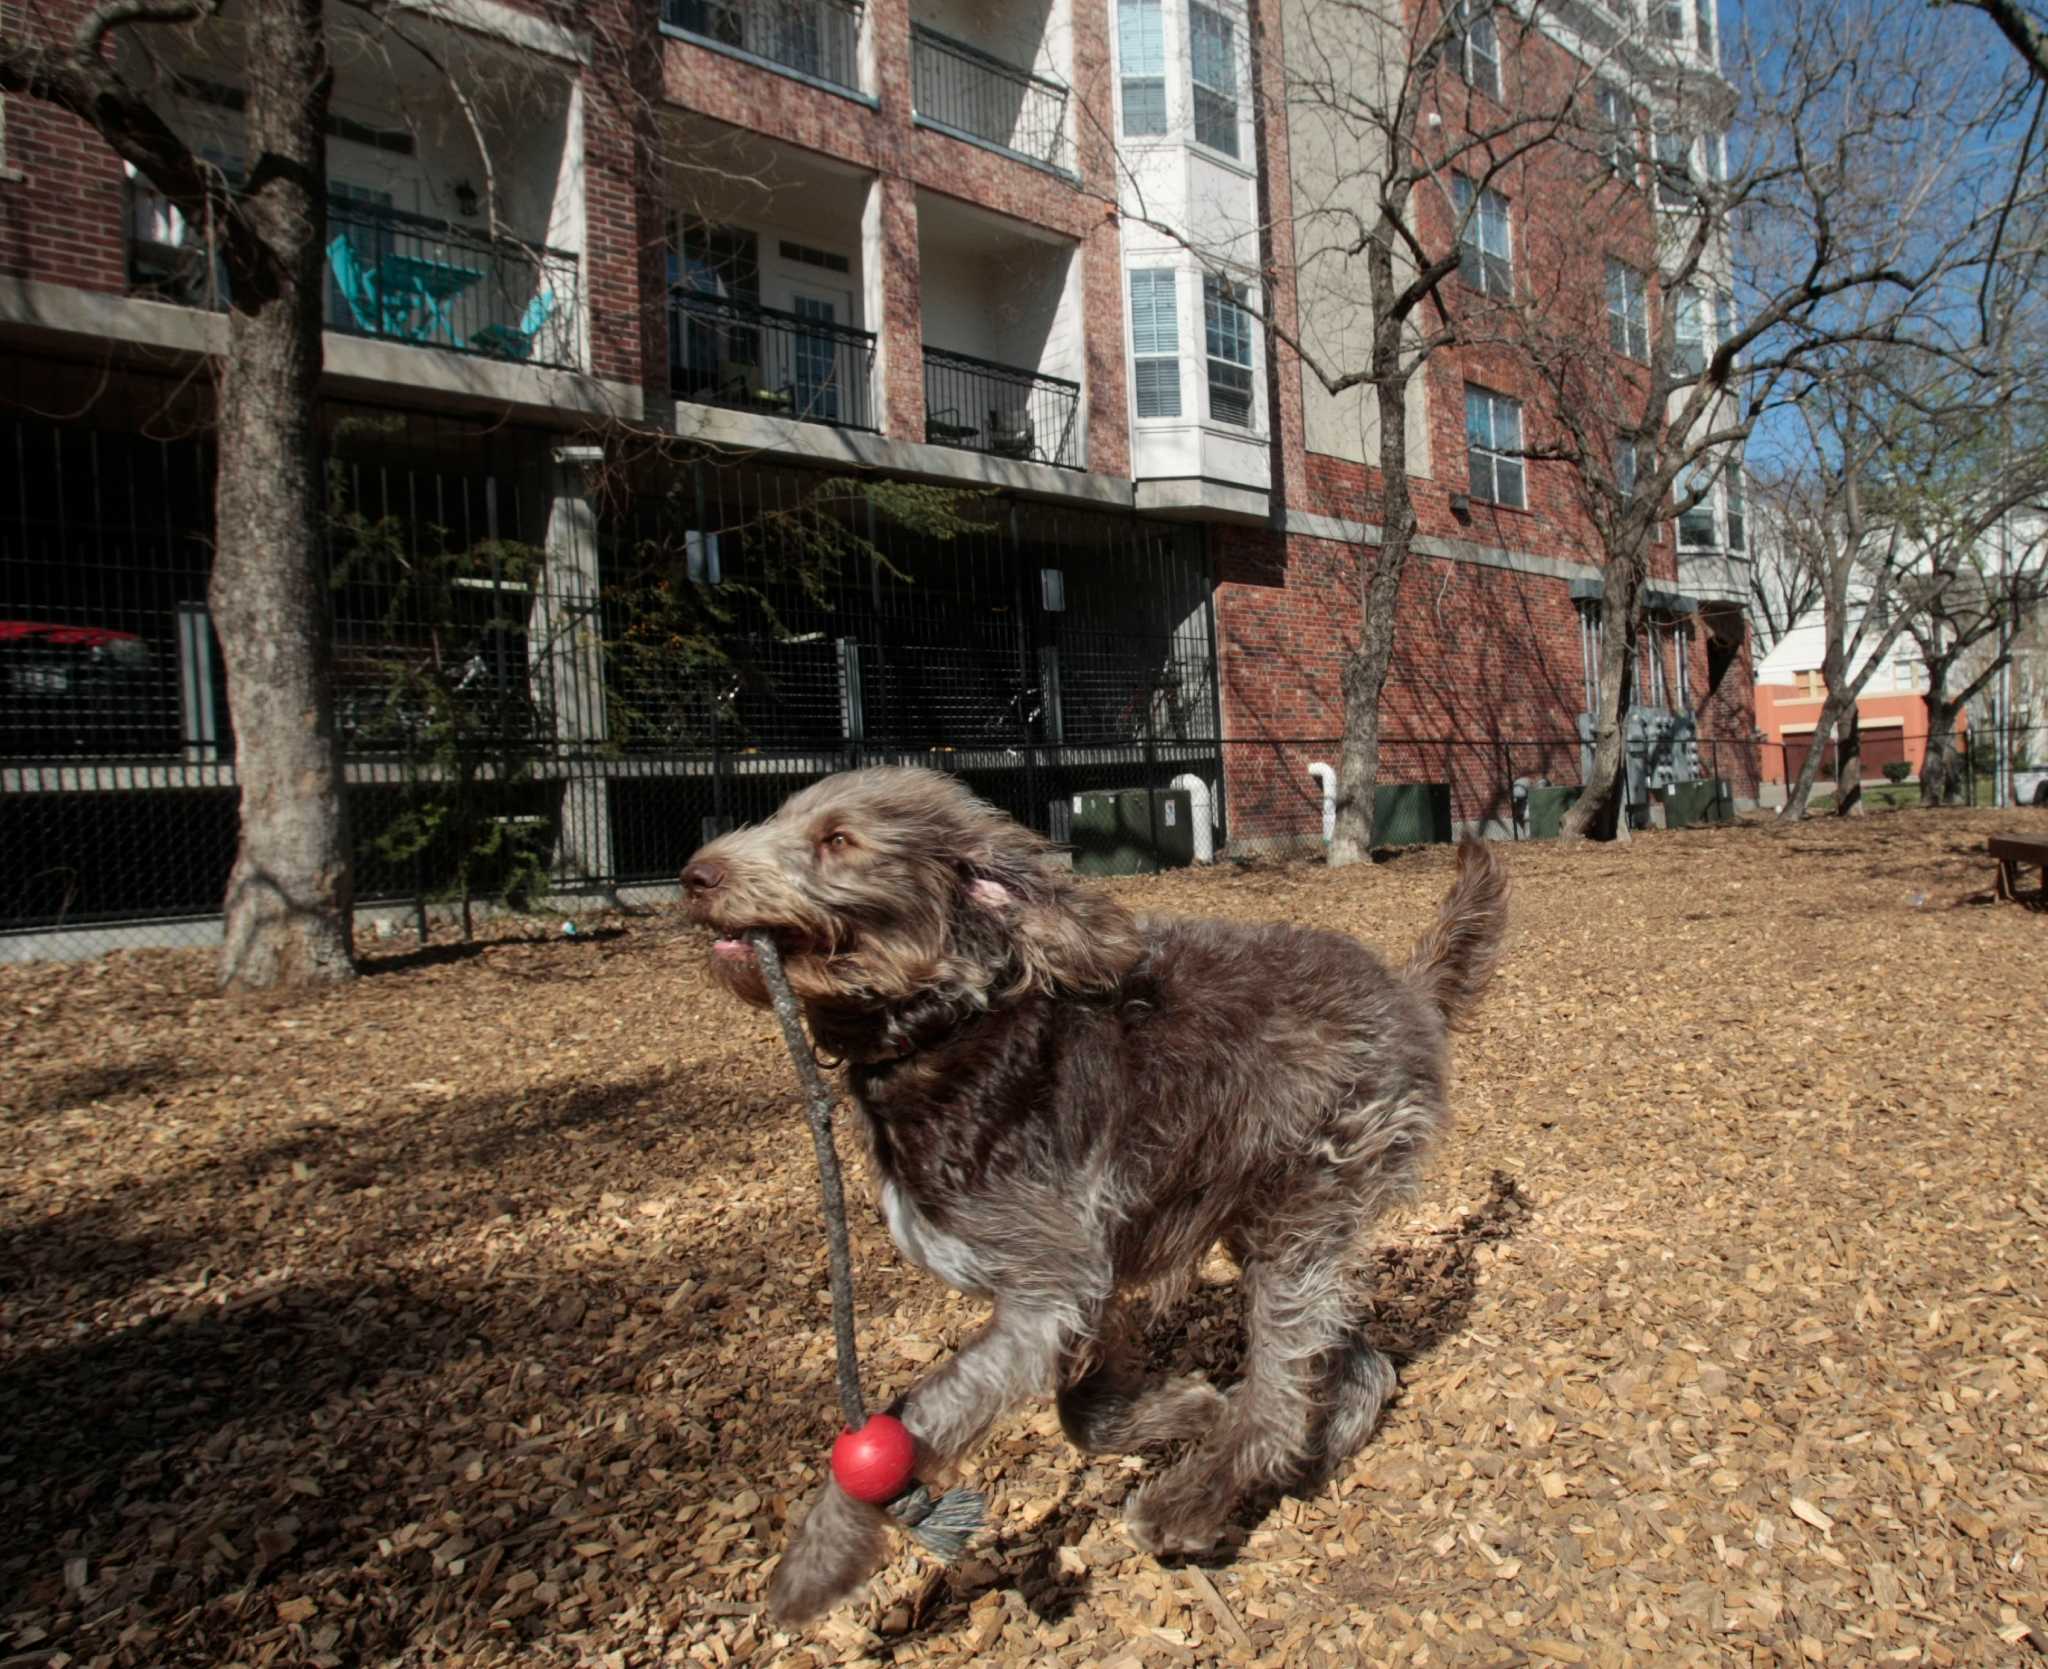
x=1230, y=23
x=1628, y=467
x=1617, y=112
x=1705, y=508
x=1157, y=12
x=1475, y=48
x=1672, y=158
x=1496, y=458
x=1703, y=30
x=1152, y=353
x=1495, y=268
x=1249, y=365
x=1734, y=509
x=1628, y=310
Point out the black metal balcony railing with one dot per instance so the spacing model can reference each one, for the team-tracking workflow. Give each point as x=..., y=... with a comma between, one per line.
x=976, y=96
x=403, y=277
x=725, y=352
x=981, y=406
x=817, y=38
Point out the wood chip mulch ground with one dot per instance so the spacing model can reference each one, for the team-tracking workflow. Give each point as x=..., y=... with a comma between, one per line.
x=476, y=1314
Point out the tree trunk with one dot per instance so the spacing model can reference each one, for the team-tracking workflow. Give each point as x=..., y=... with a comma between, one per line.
x=1849, y=765
x=1941, y=772
x=1831, y=712
x=288, y=904
x=1600, y=810
x=1365, y=670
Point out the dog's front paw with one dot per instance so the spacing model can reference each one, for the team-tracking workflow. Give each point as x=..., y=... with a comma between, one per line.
x=1175, y=1515
x=841, y=1543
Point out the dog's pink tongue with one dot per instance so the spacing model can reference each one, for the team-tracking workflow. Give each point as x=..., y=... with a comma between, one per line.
x=733, y=950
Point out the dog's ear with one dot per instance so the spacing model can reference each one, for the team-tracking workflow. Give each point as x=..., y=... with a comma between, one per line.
x=1065, y=938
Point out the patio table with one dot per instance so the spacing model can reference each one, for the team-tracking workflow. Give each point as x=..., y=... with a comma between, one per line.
x=418, y=293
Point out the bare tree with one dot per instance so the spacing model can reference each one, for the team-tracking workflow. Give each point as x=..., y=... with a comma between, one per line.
x=2026, y=33
x=1897, y=502
x=1402, y=125
x=288, y=904
x=1839, y=218
x=1782, y=588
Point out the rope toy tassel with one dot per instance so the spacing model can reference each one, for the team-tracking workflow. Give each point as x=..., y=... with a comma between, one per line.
x=942, y=1524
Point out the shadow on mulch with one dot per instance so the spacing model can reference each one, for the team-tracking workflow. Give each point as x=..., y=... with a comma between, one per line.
x=81, y=1085
x=441, y=956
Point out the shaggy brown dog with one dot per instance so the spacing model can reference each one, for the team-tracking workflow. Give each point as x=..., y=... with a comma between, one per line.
x=1065, y=1105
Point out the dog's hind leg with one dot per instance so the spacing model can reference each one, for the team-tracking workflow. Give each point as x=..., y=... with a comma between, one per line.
x=1298, y=1305
x=1114, y=1409
x=1361, y=1381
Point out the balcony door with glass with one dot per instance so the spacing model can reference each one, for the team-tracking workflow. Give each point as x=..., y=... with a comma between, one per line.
x=816, y=372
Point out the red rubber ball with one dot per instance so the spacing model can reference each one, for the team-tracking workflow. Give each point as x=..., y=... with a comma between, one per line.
x=875, y=1464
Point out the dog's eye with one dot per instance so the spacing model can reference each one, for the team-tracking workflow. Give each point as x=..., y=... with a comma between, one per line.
x=835, y=841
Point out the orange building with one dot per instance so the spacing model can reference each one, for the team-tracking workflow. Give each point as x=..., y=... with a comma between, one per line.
x=1789, y=692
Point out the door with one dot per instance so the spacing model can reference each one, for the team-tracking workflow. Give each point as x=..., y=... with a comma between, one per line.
x=824, y=374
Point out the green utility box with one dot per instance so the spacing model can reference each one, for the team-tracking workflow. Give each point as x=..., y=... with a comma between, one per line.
x=1547, y=807
x=1411, y=814
x=1689, y=804
x=1126, y=831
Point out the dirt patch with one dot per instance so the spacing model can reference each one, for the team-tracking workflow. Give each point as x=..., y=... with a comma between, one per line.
x=477, y=1314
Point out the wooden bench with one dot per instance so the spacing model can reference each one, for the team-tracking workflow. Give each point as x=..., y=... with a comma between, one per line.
x=2011, y=853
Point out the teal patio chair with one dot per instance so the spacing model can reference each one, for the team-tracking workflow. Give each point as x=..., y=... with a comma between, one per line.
x=358, y=288
x=516, y=341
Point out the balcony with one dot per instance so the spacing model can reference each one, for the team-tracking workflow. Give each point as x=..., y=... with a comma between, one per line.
x=973, y=95
x=401, y=277
x=816, y=39
x=980, y=406
x=728, y=352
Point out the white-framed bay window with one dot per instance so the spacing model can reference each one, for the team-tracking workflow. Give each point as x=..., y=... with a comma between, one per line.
x=1155, y=342
x=1212, y=53
x=1227, y=340
x=1141, y=66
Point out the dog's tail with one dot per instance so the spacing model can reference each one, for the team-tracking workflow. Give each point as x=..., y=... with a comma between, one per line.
x=1454, y=960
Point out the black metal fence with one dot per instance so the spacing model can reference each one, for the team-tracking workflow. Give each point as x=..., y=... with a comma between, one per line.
x=975, y=95
x=982, y=406
x=817, y=38
x=725, y=352
x=392, y=275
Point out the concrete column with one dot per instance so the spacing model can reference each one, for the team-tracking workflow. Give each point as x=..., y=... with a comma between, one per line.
x=565, y=654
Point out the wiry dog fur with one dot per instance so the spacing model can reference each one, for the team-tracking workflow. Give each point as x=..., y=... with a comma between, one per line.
x=1065, y=1105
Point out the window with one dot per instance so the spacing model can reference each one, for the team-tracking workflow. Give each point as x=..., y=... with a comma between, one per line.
x=1213, y=48
x=1485, y=249
x=1229, y=329
x=1689, y=334
x=1628, y=311
x=1618, y=130
x=1681, y=658
x=804, y=253
x=1493, y=436
x=1703, y=15
x=1670, y=18
x=1141, y=56
x=1155, y=343
x=1696, y=526
x=1738, y=508
x=1675, y=188
x=1627, y=466
x=1475, y=46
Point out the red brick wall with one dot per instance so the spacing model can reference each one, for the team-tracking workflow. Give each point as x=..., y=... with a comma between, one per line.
x=910, y=159
x=64, y=222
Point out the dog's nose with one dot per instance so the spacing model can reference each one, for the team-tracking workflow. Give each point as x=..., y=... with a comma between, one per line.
x=702, y=875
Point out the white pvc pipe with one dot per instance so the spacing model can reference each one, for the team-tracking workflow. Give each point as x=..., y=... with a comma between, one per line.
x=1326, y=779
x=1200, y=800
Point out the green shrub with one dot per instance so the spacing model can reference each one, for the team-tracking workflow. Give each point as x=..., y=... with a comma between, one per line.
x=1897, y=770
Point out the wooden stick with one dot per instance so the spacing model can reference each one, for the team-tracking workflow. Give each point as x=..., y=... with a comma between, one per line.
x=818, y=1108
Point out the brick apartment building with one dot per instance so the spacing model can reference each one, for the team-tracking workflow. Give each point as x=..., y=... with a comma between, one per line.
x=918, y=240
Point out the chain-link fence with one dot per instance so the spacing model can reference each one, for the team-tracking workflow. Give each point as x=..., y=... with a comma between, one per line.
x=1983, y=766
